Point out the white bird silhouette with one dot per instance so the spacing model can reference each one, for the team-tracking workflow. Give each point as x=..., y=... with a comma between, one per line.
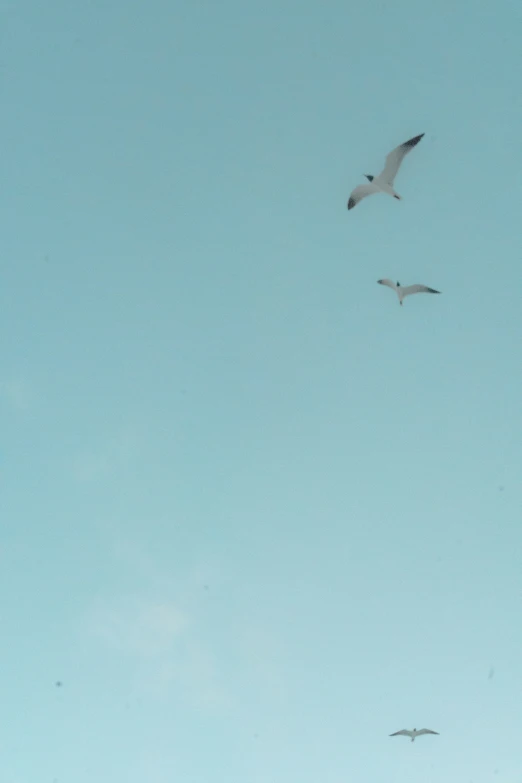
x=384, y=182
x=413, y=733
x=406, y=290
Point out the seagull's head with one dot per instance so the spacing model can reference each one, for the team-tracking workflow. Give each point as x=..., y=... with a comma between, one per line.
x=398, y=284
x=369, y=177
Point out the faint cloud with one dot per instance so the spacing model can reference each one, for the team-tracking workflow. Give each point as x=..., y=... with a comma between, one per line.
x=98, y=463
x=193, y=671
x=155, y=631
x=160, y=640
x=201, y=678
x=131, y=550
x=264, y=654
x=17, y=393
x=141, y=628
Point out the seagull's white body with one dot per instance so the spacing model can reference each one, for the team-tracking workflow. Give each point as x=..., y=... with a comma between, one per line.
x=413, y=733
x=406, y=290
x=384, y=182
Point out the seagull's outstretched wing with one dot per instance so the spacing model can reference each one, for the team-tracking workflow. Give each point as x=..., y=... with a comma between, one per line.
x=403, y=732
x=390, y=284
x=418, y=289
x=360, y=192
x=426, y=731
x=395, y=158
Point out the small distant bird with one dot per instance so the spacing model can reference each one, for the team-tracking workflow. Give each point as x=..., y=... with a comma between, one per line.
x=406, y=290
x=414, y=733
x=384, y=182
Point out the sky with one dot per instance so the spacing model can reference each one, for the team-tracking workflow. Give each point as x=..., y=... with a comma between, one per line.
x=254, y=515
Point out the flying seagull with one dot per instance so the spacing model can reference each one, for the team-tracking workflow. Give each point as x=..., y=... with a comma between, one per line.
x=384, y=182
x=414, y=733
x=406, y=290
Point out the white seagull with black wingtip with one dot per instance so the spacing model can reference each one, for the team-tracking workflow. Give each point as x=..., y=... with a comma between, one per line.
x=384, y=182
x=406, y=290
x=414, y=733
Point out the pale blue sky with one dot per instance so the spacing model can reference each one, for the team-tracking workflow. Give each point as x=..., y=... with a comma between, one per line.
x=255, y=516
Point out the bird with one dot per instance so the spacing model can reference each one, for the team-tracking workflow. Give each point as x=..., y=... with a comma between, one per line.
x=414, y=733
x=383, y=183
x=406, y=290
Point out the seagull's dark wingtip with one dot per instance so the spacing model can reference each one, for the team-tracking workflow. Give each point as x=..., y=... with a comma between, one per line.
x=414, y=141
x=351, y=203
